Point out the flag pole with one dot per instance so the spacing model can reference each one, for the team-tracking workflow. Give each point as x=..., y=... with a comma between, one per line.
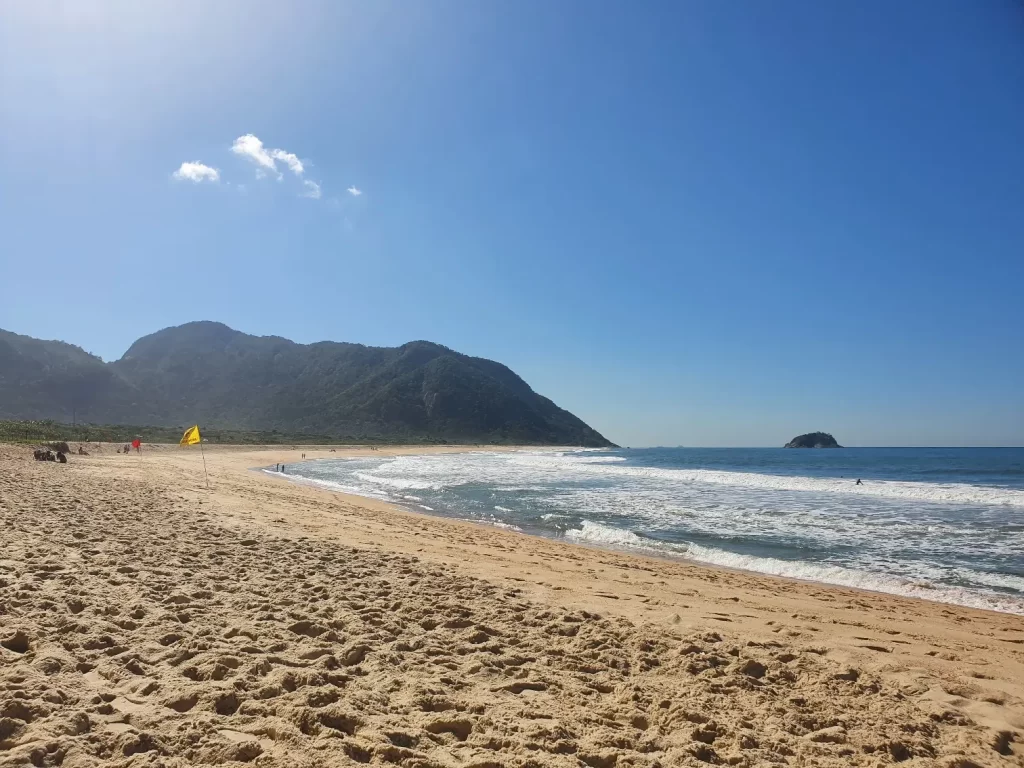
x=203, y=454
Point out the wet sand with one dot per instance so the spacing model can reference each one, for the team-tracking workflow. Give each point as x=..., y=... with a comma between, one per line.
x=146, y=620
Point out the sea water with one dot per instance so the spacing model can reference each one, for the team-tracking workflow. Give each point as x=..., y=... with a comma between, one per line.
x=946, y=524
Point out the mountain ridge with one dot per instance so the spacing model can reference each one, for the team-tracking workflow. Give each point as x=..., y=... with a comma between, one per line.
x=206, y=371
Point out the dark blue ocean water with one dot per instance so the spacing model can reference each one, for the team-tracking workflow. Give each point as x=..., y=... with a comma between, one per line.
x=941, y=523
x=985, y=466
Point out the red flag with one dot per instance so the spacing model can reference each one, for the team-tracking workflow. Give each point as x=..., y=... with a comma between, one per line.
x=136, y=443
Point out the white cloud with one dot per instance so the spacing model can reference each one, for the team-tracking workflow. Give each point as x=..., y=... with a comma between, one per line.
x=288, y=159
x=196, y=173
x=312, y=189
x=354, y=191
x=250, y=147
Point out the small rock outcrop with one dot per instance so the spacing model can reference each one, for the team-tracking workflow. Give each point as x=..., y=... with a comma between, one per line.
x=813, y=440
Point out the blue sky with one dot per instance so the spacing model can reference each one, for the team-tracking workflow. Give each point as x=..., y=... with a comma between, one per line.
x=698, y=223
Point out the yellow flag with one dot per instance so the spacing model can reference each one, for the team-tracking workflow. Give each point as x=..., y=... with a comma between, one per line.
x=191, y=436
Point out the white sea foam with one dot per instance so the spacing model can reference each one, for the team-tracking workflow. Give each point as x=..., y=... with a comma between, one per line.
x=522, y=471
x=796, y=521
x=505, y=526
x=492, y=521
x=956, y=543
x=398, y=482
x=875, y=582
x=607, y=536
x=1001, y=581
x=355, y=490
x=955, y=493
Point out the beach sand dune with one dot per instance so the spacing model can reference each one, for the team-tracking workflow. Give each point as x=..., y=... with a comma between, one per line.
x=146, y=621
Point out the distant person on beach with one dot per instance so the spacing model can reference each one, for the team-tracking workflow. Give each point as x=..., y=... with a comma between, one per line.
x=859, y=482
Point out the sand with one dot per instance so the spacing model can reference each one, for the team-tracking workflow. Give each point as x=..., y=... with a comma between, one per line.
x=146, y=621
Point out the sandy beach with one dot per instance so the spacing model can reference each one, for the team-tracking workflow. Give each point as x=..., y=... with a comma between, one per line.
x=148, y=621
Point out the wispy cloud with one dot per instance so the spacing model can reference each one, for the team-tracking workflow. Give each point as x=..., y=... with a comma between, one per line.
x=268, y=161
x=251, y=148
x=196, y=173
x=288, y=159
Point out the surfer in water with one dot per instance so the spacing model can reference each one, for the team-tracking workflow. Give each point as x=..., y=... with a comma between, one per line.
x=858, y=482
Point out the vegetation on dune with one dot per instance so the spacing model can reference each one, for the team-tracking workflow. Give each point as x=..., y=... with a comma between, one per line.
x=45, y=432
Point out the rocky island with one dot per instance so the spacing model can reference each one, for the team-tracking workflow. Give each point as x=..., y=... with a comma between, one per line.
x=813, y=440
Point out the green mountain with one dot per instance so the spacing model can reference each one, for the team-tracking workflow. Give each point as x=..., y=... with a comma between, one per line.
x=51, y=379
x=208, y=373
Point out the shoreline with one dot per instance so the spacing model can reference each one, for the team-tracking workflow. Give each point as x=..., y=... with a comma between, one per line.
x=652, y=551
x=301, y=626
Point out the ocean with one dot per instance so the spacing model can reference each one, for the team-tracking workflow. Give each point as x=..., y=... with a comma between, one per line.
x=945, y=524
